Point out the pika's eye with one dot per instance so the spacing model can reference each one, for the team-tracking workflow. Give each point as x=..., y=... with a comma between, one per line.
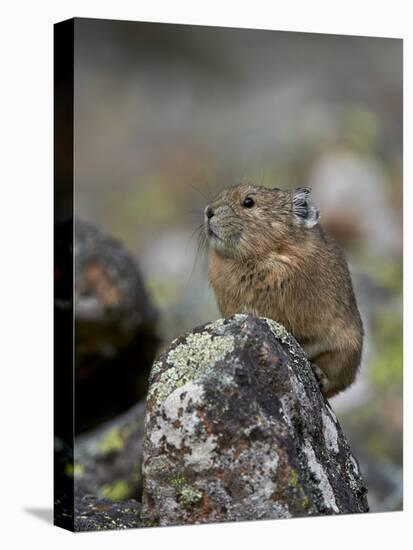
x=248, y=202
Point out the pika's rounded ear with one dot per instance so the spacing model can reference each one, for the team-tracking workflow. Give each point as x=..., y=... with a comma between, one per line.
x=304, y=209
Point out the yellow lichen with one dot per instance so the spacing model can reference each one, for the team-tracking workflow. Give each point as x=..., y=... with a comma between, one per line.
x=189, y=360
x=115, y=491
x=111, y=441
x=77, y=470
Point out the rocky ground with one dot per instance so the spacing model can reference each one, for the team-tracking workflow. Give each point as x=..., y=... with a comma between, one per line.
x=236, y=429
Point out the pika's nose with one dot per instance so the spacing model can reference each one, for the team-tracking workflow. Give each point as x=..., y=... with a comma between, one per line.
x=209, y=212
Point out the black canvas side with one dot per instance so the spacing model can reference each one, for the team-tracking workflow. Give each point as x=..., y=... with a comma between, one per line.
x=63, y=274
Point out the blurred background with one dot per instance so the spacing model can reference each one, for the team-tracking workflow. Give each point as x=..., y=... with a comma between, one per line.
x=168, y=115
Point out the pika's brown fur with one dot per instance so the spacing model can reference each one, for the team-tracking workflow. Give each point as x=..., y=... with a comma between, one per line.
x=270, y=257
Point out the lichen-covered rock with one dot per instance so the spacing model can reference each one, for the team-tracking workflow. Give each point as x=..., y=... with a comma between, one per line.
x=115, y=328
x=107, y=461
x=94, y=514
x=237, y=429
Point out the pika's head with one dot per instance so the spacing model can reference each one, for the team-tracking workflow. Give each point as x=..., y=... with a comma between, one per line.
x=248, y=220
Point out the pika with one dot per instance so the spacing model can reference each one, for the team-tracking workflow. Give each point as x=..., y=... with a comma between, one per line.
x=270, y=257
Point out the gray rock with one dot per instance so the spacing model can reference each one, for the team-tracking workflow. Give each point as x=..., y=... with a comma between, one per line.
x=351, y=192
x=108, y=461
x=237, y=429
x=94, y=514
x=115, y=328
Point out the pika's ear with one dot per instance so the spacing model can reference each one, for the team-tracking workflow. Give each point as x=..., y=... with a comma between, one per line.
x=304, y=209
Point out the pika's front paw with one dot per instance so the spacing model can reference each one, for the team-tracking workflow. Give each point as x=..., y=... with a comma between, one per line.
x=323, y=381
